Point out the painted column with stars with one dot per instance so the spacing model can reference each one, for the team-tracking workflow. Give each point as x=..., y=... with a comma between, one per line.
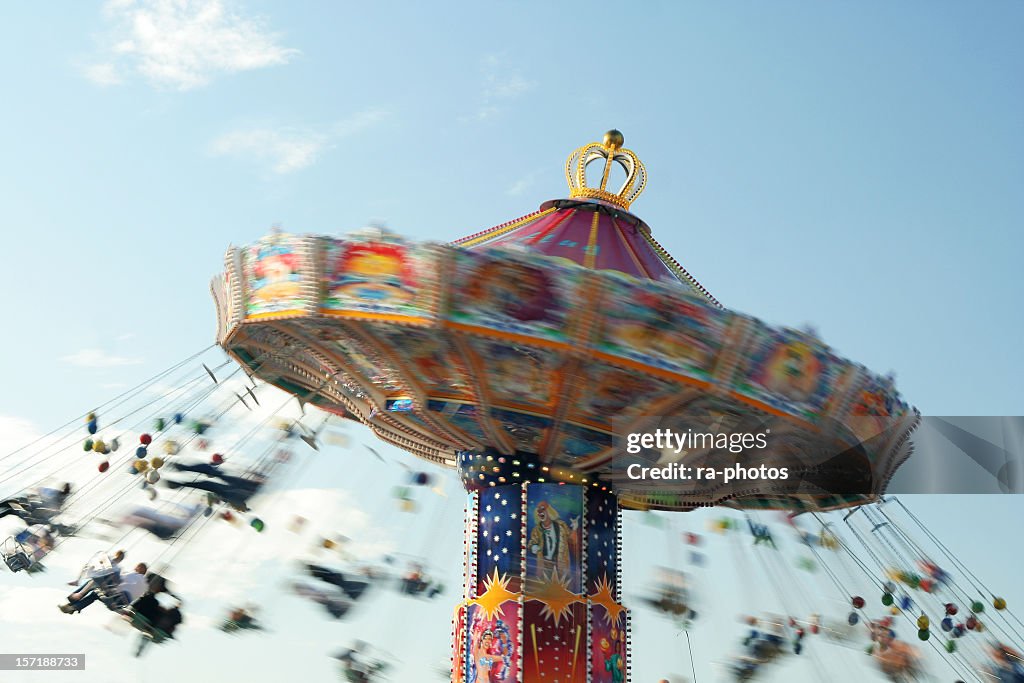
x=542, y=587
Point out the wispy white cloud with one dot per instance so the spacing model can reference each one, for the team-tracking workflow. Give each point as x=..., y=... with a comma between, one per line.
x=102, y=73
x=15, y=432
x=285, y=150
x=288, y=149
x=522, y=184
x=502, y=83
x=98, y=358
x=182, y=44
x=21, y=447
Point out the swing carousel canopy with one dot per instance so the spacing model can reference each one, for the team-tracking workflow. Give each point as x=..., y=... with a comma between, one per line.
x=541, y=339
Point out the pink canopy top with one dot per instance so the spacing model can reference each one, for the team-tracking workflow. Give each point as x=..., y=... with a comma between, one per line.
x=592, y=233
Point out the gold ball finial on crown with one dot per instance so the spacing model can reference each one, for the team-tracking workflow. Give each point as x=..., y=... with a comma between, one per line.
x=613, y=139
x=610, y=151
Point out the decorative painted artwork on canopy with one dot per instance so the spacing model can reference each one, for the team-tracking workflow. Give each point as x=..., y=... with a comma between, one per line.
x=516, y=374
x=554, y=539
x=493, y=643
x=527, y=431
x=499, y=536
x=555, y=646
x=428, y=358
x=273, y=270
x=790, y=371
x=504, y=291
x=464, y=416
x=608, y=644
x=379, y=275
x=660, y=326
x=611, y=391
x=578, y=442
x=876, y=408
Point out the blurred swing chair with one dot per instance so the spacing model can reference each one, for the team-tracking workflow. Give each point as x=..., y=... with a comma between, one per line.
x=24, y=551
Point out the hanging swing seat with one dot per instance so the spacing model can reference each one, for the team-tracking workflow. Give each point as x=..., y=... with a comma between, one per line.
x=358, y=672
x=351, y=586
x=420, y=585
x=148, y=633
x=670, y=594
x=16, y=556
x=108, y=587
x=244, y=622
x=21, y=554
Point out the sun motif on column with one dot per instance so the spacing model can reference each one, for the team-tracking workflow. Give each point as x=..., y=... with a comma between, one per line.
x=603, y=596
x=495, y=595
x=556, y=597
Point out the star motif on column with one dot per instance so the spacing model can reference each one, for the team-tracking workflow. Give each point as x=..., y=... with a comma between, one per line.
x=496, y=594
x=603, y=596
x=557, y=598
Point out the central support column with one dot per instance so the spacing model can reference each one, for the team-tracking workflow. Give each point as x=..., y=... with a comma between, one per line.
x=542, y=587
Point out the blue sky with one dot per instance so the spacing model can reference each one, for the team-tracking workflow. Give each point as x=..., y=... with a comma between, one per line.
x=856, y=166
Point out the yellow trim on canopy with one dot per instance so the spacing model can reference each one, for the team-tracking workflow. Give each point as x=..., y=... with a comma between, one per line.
x=591, y=255
x=498, y=232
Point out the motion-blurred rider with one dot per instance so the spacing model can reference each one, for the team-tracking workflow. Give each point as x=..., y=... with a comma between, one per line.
x=131, y=586
x=37, y=507
x=233, y=490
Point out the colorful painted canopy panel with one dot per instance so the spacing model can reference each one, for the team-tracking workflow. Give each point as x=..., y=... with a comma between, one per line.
x=514, y=294
x=279, y=276
x=660, y=326
x=428, y=358
x=790, y=372
x=378, y=275
x=440, y=349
